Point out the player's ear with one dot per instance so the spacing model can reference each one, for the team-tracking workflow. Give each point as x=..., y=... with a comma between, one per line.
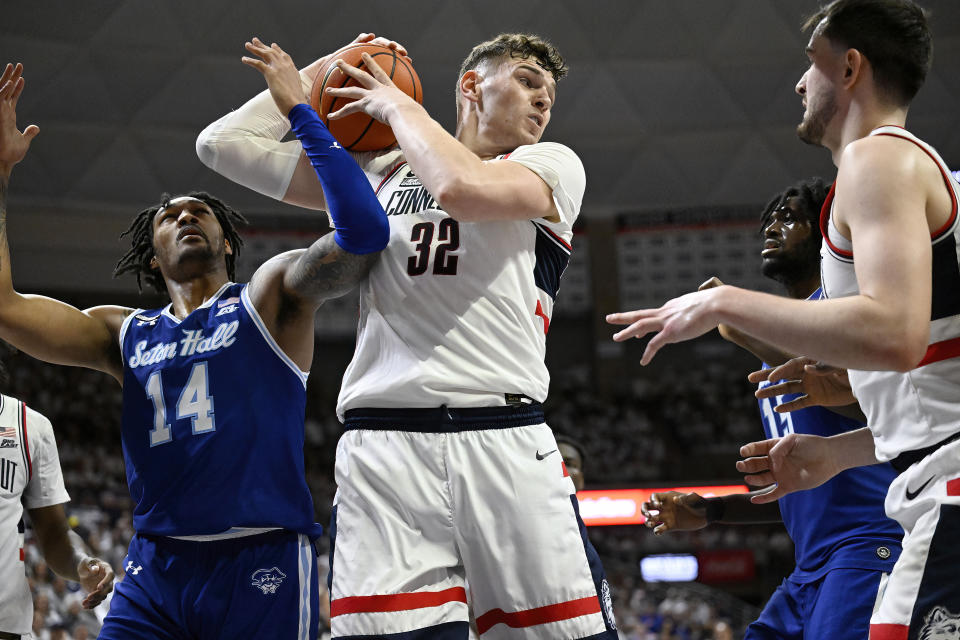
x=853, y=67
x=468, y=86
x=228, y=249
x=154, y=264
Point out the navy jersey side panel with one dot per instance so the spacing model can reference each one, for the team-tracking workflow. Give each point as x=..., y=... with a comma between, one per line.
x=212, y=422
x=841, y=523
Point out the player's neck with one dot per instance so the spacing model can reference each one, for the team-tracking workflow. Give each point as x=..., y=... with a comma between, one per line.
x=469, y=135
x=187, y=295
x=862, y=119
x=803, y=288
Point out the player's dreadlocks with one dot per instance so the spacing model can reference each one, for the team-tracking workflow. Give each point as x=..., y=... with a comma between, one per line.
x=137, y=259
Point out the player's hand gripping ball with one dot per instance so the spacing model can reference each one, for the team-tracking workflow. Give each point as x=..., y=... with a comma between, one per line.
x=358, y=131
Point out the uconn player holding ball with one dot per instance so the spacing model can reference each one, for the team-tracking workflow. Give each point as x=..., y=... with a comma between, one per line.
x=213, y=390
x=892, y=314
x=447, y=470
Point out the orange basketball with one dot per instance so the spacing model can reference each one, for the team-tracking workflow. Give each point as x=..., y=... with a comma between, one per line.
x=358, y=131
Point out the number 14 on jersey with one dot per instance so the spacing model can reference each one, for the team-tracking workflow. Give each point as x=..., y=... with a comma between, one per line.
x=195, y=402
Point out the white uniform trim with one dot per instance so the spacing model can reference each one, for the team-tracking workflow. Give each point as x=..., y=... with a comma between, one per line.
x=43, y=488
x=258, y=321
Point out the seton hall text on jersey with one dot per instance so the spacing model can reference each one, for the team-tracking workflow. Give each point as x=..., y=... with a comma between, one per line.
x=410, y=200
x=193, y=342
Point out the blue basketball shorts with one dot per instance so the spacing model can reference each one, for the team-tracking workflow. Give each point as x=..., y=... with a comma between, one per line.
x=259, y=586
x=837, y=606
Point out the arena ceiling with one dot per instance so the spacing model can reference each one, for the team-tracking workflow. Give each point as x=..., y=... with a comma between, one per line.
x=670, y=103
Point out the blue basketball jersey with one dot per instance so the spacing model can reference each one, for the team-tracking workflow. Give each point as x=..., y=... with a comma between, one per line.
x=841, y=523
x=212, y=422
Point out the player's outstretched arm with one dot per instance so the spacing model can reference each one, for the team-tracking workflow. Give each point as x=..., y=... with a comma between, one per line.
x=45, y=328
x=65, y=553
x=675, y=511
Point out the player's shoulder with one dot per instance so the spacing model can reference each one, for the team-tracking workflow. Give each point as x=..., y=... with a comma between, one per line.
x=546, y=149
x=379, y=162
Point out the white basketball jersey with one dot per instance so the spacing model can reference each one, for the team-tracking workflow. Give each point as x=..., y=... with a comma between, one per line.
x=29, y=477
x=456, y=313
x=919, y=408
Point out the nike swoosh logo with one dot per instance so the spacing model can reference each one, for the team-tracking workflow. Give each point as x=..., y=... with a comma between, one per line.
x=541, y=456
x=913, y=494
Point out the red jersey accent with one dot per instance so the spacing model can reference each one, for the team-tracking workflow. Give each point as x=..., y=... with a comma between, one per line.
x=546, y=320
x=953, y=487
x=888, y=631
x=825, y=220
x=389, y=175
x=26, y=443
x=396, y=601
x=540, y=615
x=943, y=350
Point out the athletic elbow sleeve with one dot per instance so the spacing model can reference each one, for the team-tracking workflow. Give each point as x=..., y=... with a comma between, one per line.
x=360, y=222
x=245, y=146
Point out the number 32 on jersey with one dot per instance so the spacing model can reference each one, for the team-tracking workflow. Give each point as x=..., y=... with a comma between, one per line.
x=195, y=402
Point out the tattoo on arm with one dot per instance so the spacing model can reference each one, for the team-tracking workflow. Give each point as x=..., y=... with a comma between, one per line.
x=326, y=271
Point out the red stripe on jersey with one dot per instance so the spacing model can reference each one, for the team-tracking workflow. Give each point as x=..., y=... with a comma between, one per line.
x=396, y=601
x=26, y=444
x=953, y=487
x=888, y=631
x=22, y=555
x=943, y=350
x=540, y=615
x=389, y=175
x=946, y=180
x=824, y=223
x=546, y=320
x=563, y=465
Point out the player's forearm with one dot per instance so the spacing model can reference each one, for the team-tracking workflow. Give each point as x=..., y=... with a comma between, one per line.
x=764, y=351
x=440, y=161
x=245, y=146
x=855, y=332
x=62, y=550
x=852, y=449
x=737, y=509
x=6, y=276
x=360, y=222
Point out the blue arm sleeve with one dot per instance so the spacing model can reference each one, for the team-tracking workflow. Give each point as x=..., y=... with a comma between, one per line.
x=360, y=223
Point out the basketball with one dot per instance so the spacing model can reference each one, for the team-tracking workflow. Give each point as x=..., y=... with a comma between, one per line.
x=358, y=131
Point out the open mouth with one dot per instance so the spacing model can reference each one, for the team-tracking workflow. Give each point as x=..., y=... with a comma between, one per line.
x=189, y=231
x=770, y=246
x=537, y=119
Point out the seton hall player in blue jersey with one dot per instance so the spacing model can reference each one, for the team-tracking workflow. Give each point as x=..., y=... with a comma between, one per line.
x=213, y=390
x=843, y=541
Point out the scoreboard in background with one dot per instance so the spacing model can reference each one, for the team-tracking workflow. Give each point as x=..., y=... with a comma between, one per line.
x=622, y=506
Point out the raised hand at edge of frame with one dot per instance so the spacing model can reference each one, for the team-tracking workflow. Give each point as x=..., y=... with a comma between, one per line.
x=13, y=142
x=674, y=511
x=821, y=384
x=278, y=70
